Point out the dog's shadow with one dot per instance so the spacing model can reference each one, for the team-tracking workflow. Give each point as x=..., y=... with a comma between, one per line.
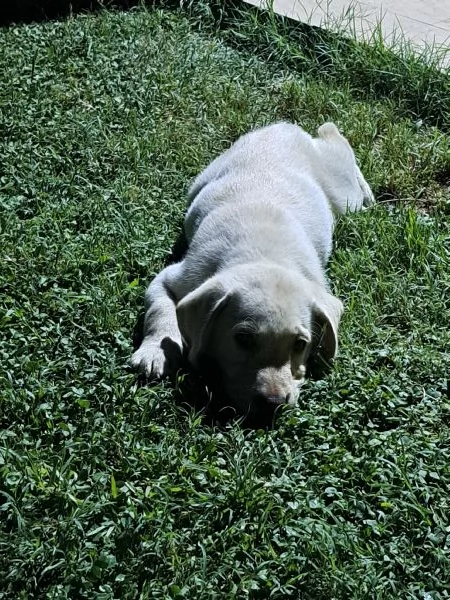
x=203, y=391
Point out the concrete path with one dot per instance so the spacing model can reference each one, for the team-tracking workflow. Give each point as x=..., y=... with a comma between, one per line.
x=421, y=21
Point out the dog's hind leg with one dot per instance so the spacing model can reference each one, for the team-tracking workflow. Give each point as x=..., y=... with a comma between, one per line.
x=368, y=197
x=341, y=178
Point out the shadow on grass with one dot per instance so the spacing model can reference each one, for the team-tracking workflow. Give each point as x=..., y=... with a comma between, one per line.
x=27, y=11
x=203, y=393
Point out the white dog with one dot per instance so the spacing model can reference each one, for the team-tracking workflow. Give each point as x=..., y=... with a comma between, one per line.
x=251, y=293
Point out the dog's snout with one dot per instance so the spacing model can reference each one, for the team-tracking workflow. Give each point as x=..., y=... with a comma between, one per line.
x=274, y=399
x=277, y=400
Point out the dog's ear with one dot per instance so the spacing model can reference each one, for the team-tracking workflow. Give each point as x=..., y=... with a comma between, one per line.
x=196, y=313
x=327, y=312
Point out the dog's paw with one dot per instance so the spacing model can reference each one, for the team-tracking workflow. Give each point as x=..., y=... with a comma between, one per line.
x=368, y=197
x=157, y=358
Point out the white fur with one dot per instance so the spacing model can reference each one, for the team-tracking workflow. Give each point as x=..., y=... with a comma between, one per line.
x=252, y=288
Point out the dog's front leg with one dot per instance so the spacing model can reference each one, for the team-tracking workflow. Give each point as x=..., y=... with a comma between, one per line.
x=161, y=349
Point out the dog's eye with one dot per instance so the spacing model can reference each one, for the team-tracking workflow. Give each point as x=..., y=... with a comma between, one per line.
x=245, y=340
x=299, y=346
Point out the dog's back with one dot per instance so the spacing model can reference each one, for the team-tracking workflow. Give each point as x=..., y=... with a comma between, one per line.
x=267, y=188
x=284, y=164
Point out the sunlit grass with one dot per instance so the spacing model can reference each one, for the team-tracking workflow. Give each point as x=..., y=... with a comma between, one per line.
x=111, y=490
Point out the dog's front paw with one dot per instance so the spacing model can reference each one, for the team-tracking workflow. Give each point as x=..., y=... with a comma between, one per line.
x=157, y=358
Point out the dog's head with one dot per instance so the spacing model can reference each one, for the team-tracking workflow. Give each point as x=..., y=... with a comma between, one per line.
x=258, y=325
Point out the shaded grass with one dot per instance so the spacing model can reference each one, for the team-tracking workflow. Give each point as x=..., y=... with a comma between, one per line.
x=373, y=68
x=111, y=490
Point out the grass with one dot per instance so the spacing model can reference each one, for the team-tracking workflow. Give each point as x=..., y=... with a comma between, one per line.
x=113, y=490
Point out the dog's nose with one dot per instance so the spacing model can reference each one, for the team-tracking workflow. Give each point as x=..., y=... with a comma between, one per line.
x=274, y=399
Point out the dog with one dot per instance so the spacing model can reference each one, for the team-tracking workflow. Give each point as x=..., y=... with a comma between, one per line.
x=251, y=295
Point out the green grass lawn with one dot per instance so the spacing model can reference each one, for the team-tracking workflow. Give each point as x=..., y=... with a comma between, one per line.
x=111, y=490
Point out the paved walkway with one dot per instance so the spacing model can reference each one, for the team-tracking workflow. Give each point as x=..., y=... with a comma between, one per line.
x=421, y=21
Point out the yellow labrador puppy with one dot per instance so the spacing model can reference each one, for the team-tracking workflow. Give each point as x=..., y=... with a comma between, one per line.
x=251, y=294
